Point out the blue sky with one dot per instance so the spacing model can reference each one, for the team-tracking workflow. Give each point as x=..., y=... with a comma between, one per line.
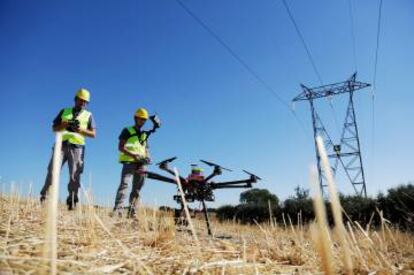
x=152, y=54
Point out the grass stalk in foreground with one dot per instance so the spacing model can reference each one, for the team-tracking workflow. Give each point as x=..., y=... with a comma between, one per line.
x=319, y=231
x=336, y=206
x=52, y=208
x=187, y=213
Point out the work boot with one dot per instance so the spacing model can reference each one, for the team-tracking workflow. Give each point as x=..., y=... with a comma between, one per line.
x=42, y=199
x=72, y=201
x=131, y=213
x=116, y=213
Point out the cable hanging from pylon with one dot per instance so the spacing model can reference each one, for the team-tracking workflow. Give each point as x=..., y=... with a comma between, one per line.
x=311, y=60
x=241, y=61
x=374, y=85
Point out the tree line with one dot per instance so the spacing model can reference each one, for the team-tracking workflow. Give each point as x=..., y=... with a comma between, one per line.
x=259, y=205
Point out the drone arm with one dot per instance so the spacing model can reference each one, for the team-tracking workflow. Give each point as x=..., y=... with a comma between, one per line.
x=167, y=169
x=155, y=176
x=233, y=184
x=171, y=172
x=216, y=172
x=212, y=175
x=247, y=181
x=246, y=185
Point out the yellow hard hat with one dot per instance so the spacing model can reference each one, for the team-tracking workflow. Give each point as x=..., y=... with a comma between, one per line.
x=83, y=94
x=141, y=113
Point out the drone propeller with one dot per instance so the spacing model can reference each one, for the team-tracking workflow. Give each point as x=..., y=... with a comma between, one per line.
x=166, y=161
x=215, y=165
x=252, y=175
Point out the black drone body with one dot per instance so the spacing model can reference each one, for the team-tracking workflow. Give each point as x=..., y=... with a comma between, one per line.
x=196, y=187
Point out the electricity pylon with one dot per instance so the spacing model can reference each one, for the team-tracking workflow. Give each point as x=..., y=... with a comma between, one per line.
x=348, y=151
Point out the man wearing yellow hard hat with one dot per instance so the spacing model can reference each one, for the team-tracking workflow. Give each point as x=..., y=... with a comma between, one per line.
x=133, y=154
x=76, y=123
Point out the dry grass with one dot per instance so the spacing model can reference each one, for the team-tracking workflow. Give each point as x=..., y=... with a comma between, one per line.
x=90, y=241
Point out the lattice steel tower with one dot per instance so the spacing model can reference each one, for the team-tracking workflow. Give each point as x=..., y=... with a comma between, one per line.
x=348, y=151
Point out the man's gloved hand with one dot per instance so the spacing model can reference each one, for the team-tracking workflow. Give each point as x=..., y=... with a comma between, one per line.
x=73, y=125
x=142, y=160
x=146, y=160
x=64, y=123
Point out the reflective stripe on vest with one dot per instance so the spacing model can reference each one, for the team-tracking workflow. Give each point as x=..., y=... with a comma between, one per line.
x=134, y=144
x=72, y=137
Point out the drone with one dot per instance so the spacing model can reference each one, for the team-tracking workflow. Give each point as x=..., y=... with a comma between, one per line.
x=196, y=187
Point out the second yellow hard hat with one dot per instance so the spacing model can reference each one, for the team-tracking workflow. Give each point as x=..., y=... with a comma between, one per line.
x=141, y=113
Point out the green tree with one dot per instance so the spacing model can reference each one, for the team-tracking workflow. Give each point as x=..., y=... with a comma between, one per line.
x=226, y=212
x=299, y=206
x=301, y=193
x=258, y=197
x=398, y=205
x=360, y=209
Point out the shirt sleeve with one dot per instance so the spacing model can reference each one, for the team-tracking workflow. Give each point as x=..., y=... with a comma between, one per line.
x=58, y=118
x=124, y=134
x=91, y=123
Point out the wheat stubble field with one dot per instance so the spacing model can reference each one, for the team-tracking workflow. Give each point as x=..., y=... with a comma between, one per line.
x=90, y=241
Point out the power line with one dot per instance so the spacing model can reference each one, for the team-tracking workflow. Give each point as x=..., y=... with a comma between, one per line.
x=351, y=15
x=240, y=60
x=374, y=84
x=303, y=41
x=232, y=52
x=308, y=52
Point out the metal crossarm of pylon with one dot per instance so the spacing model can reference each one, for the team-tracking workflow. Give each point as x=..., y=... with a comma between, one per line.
x=348, y=86
x=347, y=152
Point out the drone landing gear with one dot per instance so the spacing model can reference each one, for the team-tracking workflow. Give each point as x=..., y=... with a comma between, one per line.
x=206, y=217
x=179, y=217
x=181, y=220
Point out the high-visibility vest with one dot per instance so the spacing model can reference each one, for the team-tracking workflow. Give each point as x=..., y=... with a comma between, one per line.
x=136, y=144
x=83, y=118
